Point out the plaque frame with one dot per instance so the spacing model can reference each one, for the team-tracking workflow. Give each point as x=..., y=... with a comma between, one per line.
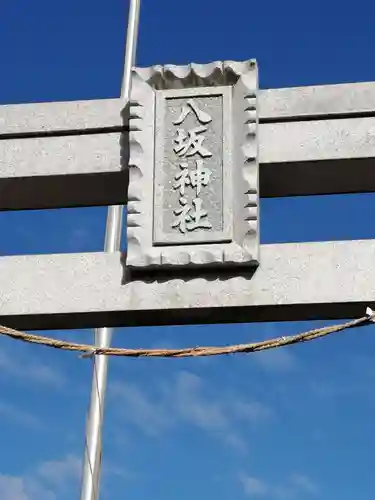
x=238, y=244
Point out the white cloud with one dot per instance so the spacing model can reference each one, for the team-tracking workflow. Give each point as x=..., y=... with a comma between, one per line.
x=291, y=489
x=253, y=486
x=195, y=405
x=283, y=492
x=253, y=411
x=29, y=370
x=45, y=482
x=279, y=359
x=12, y=488
x=15, y=414
x=140, y=411
x=56, y=479
x=23, y=488
x=196, y=408
x=187, y=399
x=56, y=472
x=304, y=483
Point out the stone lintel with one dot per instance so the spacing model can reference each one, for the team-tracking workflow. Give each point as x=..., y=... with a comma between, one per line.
x=296, y=281
x=294, y=103
x=296, y=158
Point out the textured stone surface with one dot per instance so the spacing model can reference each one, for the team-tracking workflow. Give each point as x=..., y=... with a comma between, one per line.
x=317, y=157
x=100, y=153
x=66, y=155
x=274, y=104
x=212, y=193
x=317, y=140
x=49, y=117
x=295, y=282
x=303, y=158
x=314, y=101
x=63, y=171
x=188, y=121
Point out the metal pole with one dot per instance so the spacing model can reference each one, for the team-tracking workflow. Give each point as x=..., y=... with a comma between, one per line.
x=103, y=336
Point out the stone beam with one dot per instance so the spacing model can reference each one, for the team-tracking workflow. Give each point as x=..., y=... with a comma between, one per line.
x=48, y=118
x=317, y=157
x=71, y=153
x=296, y=158
x=314, y=102
x=295, y=103
x=296, y=281
x=62, y=171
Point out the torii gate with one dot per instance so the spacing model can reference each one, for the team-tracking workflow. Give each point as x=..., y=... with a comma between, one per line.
x=193, y=254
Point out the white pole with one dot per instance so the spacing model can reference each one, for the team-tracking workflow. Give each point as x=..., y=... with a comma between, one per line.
x=103, y=336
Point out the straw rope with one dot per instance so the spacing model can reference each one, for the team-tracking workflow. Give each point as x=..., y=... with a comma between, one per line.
x=90, y=350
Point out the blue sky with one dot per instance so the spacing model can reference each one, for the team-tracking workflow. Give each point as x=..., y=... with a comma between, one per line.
x=295, y=423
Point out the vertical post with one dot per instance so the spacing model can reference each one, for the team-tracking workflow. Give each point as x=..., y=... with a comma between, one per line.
x=103, y=336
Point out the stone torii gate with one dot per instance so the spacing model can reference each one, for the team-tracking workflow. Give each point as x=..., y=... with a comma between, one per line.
x=312, y=140
x=190, y=155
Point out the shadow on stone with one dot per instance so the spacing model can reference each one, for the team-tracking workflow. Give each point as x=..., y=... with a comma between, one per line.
x=188, y=273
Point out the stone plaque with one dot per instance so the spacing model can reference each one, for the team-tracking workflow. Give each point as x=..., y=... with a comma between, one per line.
x=193, y=166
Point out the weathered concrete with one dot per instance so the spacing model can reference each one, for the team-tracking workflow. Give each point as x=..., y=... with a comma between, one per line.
x=296, y=281
x=298, y=142
x=295, y=142
x=274, y=105
x=312, y=102
x=317, y=157
x=193, y=167
x=66, y=155
x=53, y=117
x=296, y=158
x=63, y=171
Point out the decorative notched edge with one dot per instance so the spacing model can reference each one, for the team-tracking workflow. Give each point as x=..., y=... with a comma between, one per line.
x=195, y=75
x=244, y=249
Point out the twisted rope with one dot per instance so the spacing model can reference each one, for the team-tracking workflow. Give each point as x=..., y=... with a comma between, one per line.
x=91, y=350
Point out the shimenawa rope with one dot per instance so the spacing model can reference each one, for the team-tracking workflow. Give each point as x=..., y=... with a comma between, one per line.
x=91, y=350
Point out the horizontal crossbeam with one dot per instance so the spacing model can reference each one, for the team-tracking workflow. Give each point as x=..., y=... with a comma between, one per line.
x=345, y=100
x=317, y=157
x=297, y=158
x=285, y=104
x=296, y=281
x=313, y=140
